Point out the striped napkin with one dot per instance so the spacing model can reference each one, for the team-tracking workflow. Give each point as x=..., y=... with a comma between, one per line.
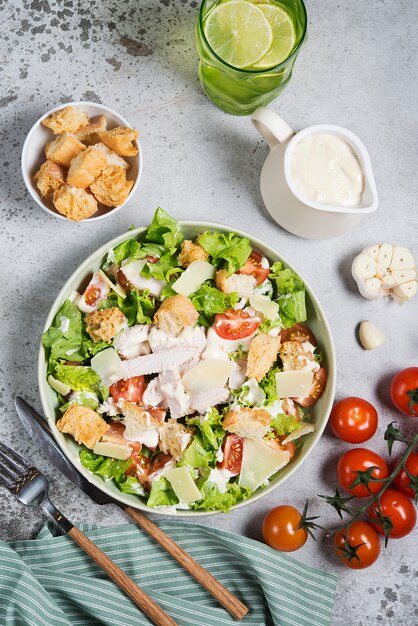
x=49, y=581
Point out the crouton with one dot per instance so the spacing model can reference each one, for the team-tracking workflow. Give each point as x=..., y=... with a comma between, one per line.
x=174, y=438
x=104, y=324
x=85, y=425
x=49, y=178
x=111, y=157
x=63, y=150
x=261, y=356
x=76, y=204
x=67, y=120
x=95, y=125
x=120, y=140
x=111, y=188
x=242, y=284
x=191, y=252
x=246, y=422
x=293, y=355
x=175, y=313
x=86, y=167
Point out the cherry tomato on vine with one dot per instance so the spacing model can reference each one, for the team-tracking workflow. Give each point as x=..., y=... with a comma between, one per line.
x=399, y=508
x=402, y=480
x=361, y=459
x=404, y=391
x=359, y=547
x=353, y=420
x=285, y=529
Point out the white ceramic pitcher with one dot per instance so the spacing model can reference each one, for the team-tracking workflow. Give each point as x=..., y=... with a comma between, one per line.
x=283, y=200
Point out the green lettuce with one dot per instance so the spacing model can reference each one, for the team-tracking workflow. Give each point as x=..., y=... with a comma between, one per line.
x=291, y=294
x=162, y=493
x=78, y=377
x=165, y=268
x=210, y=428
x=58, y=342
x=214, y=500
x=164, y=230
x=197, y=455
x=83, y=398
x=208, y=301
x=138, y=306
x=132, y=485
x=268, y=384
x=285, y=424
x=228, y=250
x=105, y=467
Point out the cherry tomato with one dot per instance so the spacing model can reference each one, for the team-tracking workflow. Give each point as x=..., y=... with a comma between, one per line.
x=254, y=268
x=290, y=408
x=152, y=259
x=361, y=459
x=404, y=391
x=96, y=290
x=130, y=389
x=353, y=420
x=232, y=448
x=318, y=385
x=359, y=534
x=402, y=480
x=281, y=529
x=399, y=508
x=114, y=434
x=277, y=444
x=298, y=332
x=235, y=324
x=140, y=467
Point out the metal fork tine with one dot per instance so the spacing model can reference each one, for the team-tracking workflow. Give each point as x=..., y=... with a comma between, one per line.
x=14, y=458
x=6, y=483
x=8, y=472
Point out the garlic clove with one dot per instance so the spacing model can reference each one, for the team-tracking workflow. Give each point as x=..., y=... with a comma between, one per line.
x=370, y=336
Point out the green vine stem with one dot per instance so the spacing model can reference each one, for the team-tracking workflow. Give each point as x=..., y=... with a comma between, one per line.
x=361, y=511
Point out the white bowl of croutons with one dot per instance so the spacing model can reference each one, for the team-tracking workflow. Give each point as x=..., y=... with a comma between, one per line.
x=82, y=161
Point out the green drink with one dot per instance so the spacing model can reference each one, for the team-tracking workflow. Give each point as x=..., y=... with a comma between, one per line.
x=247, y=50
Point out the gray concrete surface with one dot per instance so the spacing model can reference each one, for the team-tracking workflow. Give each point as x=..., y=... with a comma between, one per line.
x=358, y=69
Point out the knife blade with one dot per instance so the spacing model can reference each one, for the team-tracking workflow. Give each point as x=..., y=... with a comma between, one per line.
x=39, y=431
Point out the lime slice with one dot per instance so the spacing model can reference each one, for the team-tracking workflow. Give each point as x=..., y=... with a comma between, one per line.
x=284, y=36
x=239, y=33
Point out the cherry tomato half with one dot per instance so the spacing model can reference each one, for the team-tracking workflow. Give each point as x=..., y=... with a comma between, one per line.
x=361, y=459
x=254, y=268
x=318, y=385
x=401, y=511
x=404, y=391
x=232, y=448
x=359, y=534
x=402, y=480
x=299, y=332
x=235, y=324
x=130, y=389
x=353, y=420
x=281, y=529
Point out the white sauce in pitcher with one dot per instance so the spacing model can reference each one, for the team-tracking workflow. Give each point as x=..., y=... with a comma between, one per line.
x=326, y=170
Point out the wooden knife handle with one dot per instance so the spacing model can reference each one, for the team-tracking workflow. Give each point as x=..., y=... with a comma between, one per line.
x=137, y=595
x=234, y=606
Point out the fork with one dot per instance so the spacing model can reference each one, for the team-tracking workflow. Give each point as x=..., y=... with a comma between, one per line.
x=31, y=488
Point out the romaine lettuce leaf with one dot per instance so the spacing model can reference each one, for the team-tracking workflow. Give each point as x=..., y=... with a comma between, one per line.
x=268, y=384
x=210, y=428
x=162, y=493
x=129, y=249
x=78, y=377
x=208, y=301
x=291, y=294
x=285, y=424
x=214, y=500
x=63, y=336
x=138, y=306
x=228, y=250
x=83, y=398
x=197, y=454
x=165, y=268
x=110, y=469
x=164, y=230
x=132, y=485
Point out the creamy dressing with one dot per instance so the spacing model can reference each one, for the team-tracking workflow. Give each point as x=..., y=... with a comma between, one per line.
x=326, y=170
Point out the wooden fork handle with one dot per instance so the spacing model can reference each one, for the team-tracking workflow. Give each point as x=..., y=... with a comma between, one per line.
x=137, y=595
x=234, y=606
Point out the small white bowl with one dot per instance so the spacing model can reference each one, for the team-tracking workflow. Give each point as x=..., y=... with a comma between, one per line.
x=33, y=156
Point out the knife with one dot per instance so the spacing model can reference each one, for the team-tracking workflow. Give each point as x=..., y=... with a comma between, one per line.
x=39, y=431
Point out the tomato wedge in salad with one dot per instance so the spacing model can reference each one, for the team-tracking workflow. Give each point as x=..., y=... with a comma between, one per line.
x=299, y=332
x=317, y=389
x=130, y=389
x=254, y=268
x=114, y=434
x=232, y=448
x=235, y=324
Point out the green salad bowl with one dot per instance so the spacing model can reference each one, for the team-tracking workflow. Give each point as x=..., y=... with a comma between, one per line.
x=318, y=414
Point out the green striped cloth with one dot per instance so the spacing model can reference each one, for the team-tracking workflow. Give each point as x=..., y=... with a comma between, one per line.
x=49, y=581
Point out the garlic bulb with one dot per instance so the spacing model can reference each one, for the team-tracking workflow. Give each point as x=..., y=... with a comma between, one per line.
x=370, y=336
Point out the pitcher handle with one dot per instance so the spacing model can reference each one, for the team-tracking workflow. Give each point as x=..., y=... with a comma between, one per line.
x=274, y=130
